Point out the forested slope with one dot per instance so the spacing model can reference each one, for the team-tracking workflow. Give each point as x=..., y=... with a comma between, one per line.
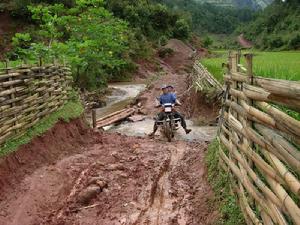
x=255, y=4
x=211, y=18
x=277, y=27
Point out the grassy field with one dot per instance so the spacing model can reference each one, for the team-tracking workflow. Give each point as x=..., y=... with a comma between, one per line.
x=280, y=65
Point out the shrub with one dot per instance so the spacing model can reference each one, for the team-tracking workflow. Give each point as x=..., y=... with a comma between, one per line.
x=182, y=29
x=294, y=42
x=165, y=52
x=163, y=40
x=207, y=42
x=20, y=7
x=275, y=42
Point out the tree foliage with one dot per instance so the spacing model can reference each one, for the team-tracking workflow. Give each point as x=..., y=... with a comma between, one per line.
x=88, y=36
x=150, y=19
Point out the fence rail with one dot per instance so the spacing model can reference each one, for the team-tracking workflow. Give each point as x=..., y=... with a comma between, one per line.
x=260, y=143
x=29, y=93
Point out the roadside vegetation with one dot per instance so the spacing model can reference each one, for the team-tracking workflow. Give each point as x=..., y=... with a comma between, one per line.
x=230, y=213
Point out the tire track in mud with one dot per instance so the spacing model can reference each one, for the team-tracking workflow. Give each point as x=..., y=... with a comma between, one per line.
x=161, y=209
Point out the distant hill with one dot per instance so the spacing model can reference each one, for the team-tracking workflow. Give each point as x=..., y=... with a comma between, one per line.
x=255, y=4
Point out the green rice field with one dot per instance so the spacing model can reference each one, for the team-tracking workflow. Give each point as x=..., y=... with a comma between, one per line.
x=279, y=65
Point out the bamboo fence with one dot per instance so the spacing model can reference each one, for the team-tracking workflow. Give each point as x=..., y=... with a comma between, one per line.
x=29, y=93
x=259, y=143
x=203, y=80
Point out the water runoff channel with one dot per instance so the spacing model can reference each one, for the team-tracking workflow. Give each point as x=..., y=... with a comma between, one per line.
x=122, y=95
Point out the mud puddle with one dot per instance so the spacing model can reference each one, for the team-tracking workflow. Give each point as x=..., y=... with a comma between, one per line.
x=121, y=94
x=143, y=128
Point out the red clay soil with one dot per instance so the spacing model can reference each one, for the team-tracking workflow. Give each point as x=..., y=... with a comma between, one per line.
x=244, y=42
x=72, y=175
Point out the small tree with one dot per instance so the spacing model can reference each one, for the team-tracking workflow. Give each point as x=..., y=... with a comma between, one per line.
x=21, y=44
x=182, y=29
x=94, y=42
x=207, y=42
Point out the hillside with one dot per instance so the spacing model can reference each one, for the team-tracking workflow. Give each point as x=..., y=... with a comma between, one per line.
x=276, y=27
x=210, y=18
x=255, y=4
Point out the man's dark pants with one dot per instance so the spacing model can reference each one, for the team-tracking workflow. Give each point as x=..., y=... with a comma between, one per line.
x=162, y=115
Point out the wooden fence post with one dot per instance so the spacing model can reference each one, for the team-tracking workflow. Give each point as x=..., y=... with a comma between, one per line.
x=249, y=62
x=249, y=143
x=94, y=114
x=40, y=61
x=239, y=54
x=6, y=65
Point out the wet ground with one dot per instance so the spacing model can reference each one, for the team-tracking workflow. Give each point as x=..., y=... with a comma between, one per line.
x=143, y=128
x=113, y=180
x=122, y=94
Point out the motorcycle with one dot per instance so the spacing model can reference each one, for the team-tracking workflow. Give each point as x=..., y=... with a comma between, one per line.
x=170, y=124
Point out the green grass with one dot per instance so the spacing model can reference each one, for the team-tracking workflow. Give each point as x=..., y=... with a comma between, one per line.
x=71, y=110
x=279, y=65
x=230, y=213
x=16, y=63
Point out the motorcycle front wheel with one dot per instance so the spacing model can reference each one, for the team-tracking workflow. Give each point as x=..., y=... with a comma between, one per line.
x=168, y=131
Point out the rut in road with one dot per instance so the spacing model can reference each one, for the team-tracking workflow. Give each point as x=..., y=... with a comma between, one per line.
x=160, y=209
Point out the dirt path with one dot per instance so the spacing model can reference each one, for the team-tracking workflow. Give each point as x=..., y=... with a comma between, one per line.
x=244, y=42
x=73, y=176
x=125, y=180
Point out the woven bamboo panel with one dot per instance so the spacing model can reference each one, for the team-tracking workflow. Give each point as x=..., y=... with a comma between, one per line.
x=260, y=143
x=29, y=93
x=203, y=80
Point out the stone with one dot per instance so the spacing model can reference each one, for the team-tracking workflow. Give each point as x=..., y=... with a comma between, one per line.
x=86, y=195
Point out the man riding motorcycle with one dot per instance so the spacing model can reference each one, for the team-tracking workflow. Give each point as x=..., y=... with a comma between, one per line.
x=165, y=98
x=171, y=90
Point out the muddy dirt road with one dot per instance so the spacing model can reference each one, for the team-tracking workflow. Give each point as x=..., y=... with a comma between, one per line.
x=73, y=175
